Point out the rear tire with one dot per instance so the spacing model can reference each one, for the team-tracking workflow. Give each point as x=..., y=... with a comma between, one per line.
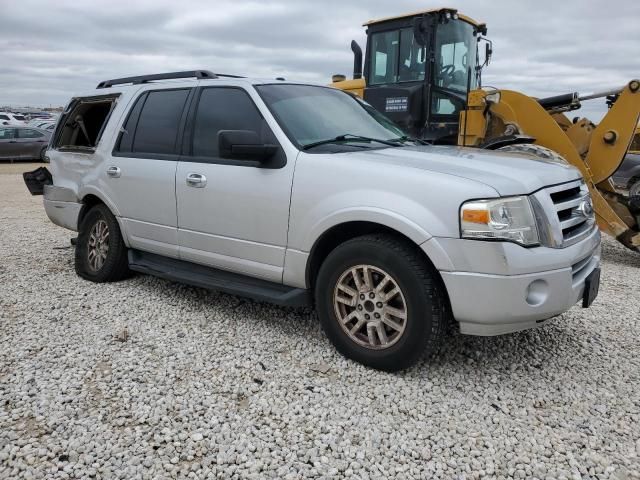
x=397, y=330
x=101, y=255
x=537, y=151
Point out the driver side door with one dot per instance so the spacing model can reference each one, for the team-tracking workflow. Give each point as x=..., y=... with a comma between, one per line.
x=232, y=214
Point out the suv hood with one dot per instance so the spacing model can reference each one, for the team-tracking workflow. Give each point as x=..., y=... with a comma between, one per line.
x=507, y=173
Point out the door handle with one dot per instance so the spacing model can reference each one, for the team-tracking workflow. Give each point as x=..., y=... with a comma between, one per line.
x=114, y=172
x=196, y=180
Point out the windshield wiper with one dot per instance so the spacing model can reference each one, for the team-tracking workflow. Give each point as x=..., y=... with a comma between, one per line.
x=346, y=137
x=404, y=139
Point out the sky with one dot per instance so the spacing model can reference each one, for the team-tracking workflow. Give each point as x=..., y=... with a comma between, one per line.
x=51, y=50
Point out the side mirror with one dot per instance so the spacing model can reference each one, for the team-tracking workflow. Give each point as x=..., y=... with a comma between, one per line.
x=488, y=51
x=244, y=145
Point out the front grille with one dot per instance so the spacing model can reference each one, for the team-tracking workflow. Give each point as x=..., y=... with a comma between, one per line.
x=573, y=221
x=566, y=218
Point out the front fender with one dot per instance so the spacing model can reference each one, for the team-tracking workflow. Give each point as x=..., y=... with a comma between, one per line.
x=387, y=218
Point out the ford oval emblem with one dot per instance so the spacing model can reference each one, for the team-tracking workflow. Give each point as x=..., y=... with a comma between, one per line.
x=586, y=207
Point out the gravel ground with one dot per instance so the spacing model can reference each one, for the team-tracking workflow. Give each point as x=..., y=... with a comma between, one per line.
x=209, y=385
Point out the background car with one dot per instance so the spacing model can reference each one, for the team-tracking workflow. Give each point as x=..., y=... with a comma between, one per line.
x=8, y=118
x=627, y=176
x=23, y=143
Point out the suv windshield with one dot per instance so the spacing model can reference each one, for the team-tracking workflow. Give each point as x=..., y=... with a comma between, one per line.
x=310, y=114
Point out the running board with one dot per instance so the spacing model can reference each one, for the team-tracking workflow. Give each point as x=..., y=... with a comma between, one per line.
x=213, y=279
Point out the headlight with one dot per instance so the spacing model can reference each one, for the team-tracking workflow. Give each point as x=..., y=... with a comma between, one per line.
x=510, y=219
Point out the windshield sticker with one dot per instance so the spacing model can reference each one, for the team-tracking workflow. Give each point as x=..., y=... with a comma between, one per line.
x=397, y=104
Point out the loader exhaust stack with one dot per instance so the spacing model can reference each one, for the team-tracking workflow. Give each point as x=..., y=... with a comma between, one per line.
x=357, y=60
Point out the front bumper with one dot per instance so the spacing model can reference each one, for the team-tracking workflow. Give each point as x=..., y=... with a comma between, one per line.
x=62, y=206
x=506, y=299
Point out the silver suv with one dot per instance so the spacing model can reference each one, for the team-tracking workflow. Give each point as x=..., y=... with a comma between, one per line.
x=299, y=194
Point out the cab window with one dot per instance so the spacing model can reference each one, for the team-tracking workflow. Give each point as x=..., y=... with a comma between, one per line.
x=384, y=57
x=412, y=58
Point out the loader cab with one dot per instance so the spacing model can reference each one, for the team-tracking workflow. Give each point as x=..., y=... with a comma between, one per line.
x=418, y=69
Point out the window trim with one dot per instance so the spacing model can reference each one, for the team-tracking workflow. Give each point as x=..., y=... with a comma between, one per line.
x=115, y=152
x=189, y=134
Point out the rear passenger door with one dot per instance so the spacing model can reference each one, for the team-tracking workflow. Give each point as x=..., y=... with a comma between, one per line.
x=140, y=174
x=237, y=217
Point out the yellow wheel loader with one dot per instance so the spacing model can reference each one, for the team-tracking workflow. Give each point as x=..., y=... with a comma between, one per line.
x=423, y=70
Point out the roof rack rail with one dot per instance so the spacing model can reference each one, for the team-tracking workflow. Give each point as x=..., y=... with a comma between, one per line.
x=228, y=75
x=199, y=74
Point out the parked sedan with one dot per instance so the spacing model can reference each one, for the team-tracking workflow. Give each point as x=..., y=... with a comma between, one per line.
x=23, y=143
x=627, y=176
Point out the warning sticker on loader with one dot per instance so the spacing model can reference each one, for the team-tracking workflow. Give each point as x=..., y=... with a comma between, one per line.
x=397, y=104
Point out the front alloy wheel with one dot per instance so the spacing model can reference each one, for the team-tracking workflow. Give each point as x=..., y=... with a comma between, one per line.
x=370, y=307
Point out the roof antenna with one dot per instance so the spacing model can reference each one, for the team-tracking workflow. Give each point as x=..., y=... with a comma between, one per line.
x=282, y=79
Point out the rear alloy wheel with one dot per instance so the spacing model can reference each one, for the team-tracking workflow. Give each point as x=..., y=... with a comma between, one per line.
x=101, y=255
x=380, y=302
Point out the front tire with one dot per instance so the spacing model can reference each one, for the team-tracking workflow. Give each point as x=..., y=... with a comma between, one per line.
x=380, y=302
x=43, y=155
x=101, y=255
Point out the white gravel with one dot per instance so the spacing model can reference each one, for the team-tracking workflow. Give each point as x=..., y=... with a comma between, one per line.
x=208, y=385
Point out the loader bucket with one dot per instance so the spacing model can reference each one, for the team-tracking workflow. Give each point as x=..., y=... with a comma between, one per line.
x=597, y=151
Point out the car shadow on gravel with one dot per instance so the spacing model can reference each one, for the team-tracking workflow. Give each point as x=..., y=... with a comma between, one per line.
x=556, y=342
x=530, y=349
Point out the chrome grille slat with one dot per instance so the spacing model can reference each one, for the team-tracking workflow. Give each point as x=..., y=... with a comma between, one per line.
x=566, y=205
x=574, y=220
x=561, y=219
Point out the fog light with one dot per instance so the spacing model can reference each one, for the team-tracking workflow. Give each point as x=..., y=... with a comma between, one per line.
x=537, y=293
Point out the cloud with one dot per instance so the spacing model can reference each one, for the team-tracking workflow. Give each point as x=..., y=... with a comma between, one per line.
x=52, y=50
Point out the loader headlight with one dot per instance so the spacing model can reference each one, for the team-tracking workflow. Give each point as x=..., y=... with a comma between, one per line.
x=508, y=219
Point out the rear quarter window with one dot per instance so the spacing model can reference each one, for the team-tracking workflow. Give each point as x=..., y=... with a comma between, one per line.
x=82, y=126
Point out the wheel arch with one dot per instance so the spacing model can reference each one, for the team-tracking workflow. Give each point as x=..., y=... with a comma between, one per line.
x=341, y=232
x=92, y=198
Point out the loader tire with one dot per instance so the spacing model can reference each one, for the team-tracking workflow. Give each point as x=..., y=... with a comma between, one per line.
x=531, y=149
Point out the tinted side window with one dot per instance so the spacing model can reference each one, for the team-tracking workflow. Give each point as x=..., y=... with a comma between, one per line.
x=159, y=121
x=4, y=117
x=224, y=109
x=6, y=133
x=29, y=133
